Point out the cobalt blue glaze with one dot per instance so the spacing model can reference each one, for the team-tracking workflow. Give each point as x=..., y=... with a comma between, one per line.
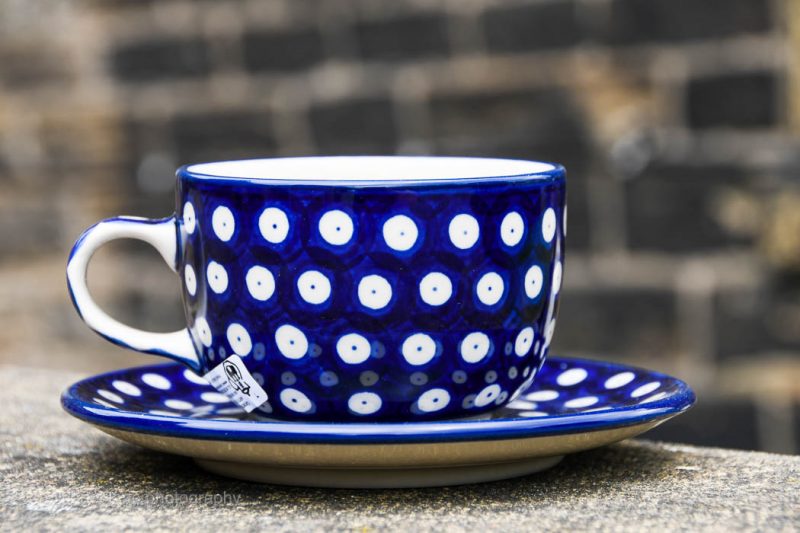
x=346, y=234
x=170, y=400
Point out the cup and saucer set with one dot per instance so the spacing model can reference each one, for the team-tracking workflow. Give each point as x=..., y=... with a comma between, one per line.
x=363, y=322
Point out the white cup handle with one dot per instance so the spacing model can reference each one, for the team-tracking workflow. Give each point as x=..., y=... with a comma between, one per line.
x=163, y=236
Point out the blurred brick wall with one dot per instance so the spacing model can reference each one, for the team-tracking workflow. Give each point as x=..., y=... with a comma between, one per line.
x=677, y=121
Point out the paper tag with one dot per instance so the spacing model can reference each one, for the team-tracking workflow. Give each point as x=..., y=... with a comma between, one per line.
x=232, y=379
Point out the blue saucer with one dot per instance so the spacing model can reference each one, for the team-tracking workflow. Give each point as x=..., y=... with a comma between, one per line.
x=568, y=395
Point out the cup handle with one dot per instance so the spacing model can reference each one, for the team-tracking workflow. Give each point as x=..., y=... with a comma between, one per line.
x=163, y=236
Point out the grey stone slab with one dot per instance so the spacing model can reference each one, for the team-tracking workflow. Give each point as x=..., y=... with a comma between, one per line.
x=57, y=473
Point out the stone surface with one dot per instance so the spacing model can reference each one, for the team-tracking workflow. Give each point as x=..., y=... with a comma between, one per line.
x=59, y=473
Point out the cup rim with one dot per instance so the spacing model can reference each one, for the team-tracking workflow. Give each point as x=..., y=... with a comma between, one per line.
x=373, y=170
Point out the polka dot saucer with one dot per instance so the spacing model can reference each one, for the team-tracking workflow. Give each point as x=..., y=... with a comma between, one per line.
x=573, y=405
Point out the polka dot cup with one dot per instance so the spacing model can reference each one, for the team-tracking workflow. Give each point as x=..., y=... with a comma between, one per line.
x=357, y=288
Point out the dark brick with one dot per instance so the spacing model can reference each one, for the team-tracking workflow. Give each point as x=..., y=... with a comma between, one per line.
x=606, y=321
x=27, y=67
x=727, y=423
x=543, y=124
x=282, y=51
x=158, y=59
x=672, y=208
x=531, y=27
x=739, y=323
x=30, y=226
x=765, y=319
x=229, y=135
x=734, y=100
x=636, y=21
x=354, y=126
x=404, y=38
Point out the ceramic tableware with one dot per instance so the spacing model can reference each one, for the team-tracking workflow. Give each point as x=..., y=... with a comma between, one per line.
x=574, y=405
x=355, y=288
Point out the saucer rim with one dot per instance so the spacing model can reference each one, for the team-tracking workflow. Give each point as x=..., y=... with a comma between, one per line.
x=381, y=432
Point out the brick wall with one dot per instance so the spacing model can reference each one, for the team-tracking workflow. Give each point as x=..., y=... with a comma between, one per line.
x=677, y=121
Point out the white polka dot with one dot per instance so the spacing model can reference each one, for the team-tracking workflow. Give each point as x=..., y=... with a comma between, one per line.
x=523, y=342
x=215, y=397
x=435, y=288
x=619, y=380
x=229, y=410
x=295, y=400
x=190, y=279
x=512, y=228
x=522, y=404
x=336, y=227
x=542, y=396
x=273, y=225
x=108, y=395
x=570, y=377
x=364, y=403
x=260, y=283
x=217, y=277
x=532, y=414
x=189, y=218
x=223, y=223
x=556, y=284
x=313, y=287
x=239, y=339
x=490, y=288
x=418, y=349
x=433, y=400
x=353, y=348
x=549, y=330
x=654, y=397
x=584, y=401
x=464, y=231
x=549, y=224
x=194, y=378
x=487, y=395
x=291, y=342
x=178, y=404
x=126, y=388
x=157, y=381
x=159, y=412
x=475, y=347
x=105, y=403
x=645, y=389
x=203, y=331
x=374, y=292
x=534, y=278
x=400, y=233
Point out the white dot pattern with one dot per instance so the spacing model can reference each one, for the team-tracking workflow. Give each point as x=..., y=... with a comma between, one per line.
x=400, y=233
x=353, y=348
x=512, y=229
x=223, y=223
x=314, y=287
x=217, y=277
x=490, y=288
x=291, y=342
x=464, y=231
x=475, y=347
x=336, y=227
x=374, y=292
x=419, y=349
x=260, y=283
x=435, y=289
x=273, y=225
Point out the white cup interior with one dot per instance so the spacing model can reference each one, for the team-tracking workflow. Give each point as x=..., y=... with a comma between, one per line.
x=370, y=168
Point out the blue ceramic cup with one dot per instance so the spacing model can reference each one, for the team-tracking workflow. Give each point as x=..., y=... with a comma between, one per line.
x=356, y=288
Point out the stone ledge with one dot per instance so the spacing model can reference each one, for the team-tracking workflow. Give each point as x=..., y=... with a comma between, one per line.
x=58, y=473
